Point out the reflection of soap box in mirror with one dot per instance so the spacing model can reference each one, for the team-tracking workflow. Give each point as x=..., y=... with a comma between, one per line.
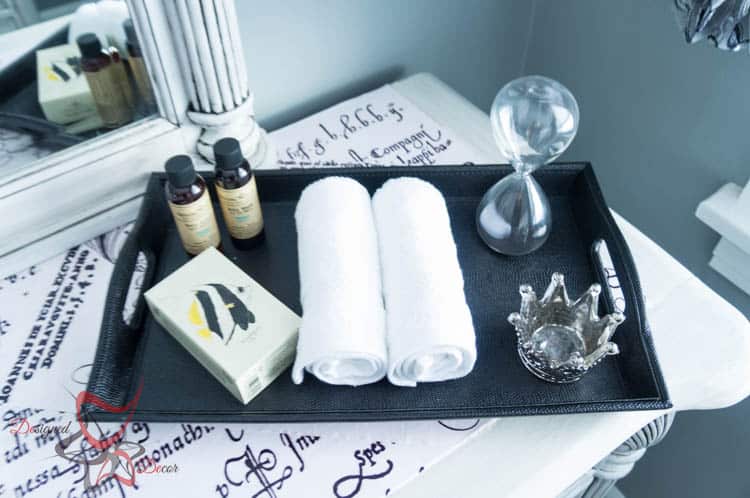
x=234, y=327
x=64, y=95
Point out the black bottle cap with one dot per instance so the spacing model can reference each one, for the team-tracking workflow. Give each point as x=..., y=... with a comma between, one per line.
x=180, y=171
x=127, y=25
x=228, y=154
x=89, y=45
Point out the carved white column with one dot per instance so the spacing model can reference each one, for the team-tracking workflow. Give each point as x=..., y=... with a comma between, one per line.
x=620, y=462
x=206, y=36
x=597, y=482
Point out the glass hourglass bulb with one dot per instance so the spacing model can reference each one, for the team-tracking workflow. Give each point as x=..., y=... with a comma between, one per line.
x=534, y=119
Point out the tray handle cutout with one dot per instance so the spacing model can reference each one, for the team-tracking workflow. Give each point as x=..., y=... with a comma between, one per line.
x=133, y=307
x=122, y=322
x=613, y=294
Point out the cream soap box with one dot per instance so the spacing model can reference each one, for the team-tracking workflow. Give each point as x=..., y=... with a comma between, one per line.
x=64, y=95
x=234, y=327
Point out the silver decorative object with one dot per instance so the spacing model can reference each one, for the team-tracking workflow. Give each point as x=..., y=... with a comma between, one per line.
x=560, y=340
x=726, y=23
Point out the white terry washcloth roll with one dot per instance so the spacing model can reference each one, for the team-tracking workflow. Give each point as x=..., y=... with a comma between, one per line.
x=430, y=332
x=342, y=335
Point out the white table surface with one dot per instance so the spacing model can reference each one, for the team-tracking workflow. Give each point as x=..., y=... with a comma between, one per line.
x=702, y=343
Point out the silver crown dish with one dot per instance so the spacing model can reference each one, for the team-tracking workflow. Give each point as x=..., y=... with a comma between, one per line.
x=559, y=340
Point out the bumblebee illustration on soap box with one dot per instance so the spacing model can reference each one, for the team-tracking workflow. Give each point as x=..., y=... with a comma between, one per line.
x=218, y=311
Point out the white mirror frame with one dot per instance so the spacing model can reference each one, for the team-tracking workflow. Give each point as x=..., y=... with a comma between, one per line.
x=197, y=69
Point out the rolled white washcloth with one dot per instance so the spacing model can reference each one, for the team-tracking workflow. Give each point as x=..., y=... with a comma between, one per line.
x=342, y=335
x=430, y=332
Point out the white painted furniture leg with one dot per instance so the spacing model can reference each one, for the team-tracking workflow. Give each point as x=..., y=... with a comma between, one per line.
x=598, y=482
x=209, y=48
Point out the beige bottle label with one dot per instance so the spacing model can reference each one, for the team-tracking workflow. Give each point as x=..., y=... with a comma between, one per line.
x=121, y=77
x=141, y=80
x=241, y=210
x=108, y=97
x=196, y=224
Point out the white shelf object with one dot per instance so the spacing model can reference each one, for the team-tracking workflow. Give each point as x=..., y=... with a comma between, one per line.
x=728, y=213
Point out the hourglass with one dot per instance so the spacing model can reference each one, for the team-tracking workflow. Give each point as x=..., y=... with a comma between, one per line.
x=534, y=119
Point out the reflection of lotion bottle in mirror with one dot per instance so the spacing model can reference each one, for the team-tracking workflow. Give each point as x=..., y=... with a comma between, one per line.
x=137, y=65
x=108, y=97
x=190, y=203
x=121, y=76
x=238, y=194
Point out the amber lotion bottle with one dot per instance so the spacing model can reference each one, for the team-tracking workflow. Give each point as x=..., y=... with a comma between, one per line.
x=101, y=76
x=238, y=194
x=190, y=203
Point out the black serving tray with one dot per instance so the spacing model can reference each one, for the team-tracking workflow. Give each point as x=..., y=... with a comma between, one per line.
x=175, y=387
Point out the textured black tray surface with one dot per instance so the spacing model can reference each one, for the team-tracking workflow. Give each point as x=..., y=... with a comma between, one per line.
x=176, y=388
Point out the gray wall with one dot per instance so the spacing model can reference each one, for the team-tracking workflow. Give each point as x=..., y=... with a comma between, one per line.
x=304, y=56
x=665, y=124
x=661, y=121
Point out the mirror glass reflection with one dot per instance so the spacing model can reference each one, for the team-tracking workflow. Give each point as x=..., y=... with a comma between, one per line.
x=70, y=71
